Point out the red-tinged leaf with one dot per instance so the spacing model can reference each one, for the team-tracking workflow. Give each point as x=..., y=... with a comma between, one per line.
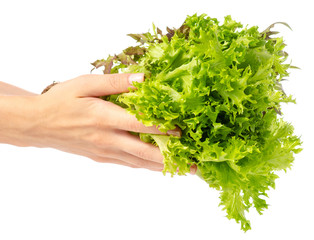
x=134, y=50
x=98, y=64
x=159, y=32
x=184, y=29
x=283, y=53
x=170, y=33
x=109, y=64
x=139, y=37
x=125, y=59
x=267, y=31
x=294, y=67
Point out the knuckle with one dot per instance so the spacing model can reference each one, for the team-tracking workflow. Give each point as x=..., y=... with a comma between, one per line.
x=102, y=159
x=142, y=153
x=97, y=159
x=94, y=139
x=99, y=117
x=100, y=141
x=114, y=82
x=91, y=124
x=133, y=125
x=141, y=164
x=83, y=76
x=95, y=123
x=82, y=81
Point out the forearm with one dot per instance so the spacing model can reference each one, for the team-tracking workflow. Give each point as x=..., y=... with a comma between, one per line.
x=8, y=89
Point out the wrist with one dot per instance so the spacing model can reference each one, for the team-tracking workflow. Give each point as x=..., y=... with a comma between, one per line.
x=19, y=118
x=10, y=90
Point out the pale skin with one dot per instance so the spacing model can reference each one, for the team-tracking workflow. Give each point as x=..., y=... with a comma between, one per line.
x=72, y=118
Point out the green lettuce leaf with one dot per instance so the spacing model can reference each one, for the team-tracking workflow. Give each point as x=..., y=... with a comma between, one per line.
x=221, y=84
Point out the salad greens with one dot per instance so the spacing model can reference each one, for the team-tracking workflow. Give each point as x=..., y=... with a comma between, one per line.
x=221, y=84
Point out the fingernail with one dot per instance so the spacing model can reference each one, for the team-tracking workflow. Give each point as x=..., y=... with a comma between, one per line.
x=175, y=132
x=193, y=169
x=136, y=77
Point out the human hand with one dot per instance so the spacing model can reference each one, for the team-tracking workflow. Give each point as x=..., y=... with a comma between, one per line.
x=70, y=117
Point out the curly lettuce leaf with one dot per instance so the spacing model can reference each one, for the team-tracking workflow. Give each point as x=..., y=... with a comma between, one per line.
x=221, y=84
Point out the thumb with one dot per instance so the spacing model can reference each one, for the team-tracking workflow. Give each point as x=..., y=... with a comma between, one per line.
x=95, y=85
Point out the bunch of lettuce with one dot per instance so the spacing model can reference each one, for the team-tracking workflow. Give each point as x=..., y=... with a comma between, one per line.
x=221, y=84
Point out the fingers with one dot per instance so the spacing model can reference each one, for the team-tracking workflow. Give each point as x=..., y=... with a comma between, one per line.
x=119, y=118
x=134, y=146
x=193, y=169
x=96, y=85
x=129, y=122
x=129, y=160
x=112, y=160
x=123, y=158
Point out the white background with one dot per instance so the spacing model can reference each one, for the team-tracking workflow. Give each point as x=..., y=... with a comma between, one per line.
x=46, y=194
